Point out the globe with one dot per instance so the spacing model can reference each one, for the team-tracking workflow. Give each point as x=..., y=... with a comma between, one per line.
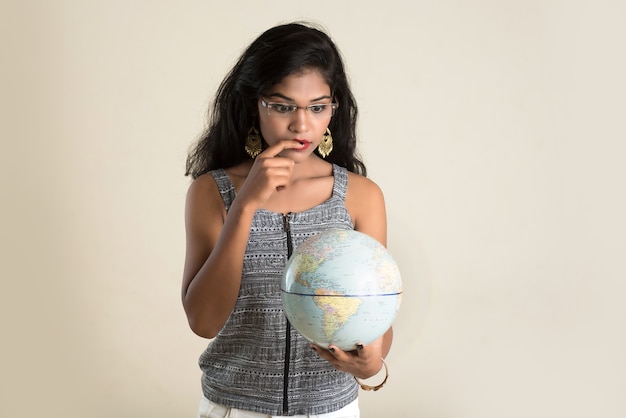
x=341, y=287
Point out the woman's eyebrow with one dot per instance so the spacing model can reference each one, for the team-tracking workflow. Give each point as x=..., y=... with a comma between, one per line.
x=289, y=99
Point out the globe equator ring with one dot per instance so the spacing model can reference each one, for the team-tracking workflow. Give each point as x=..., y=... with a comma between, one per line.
x=341, y=295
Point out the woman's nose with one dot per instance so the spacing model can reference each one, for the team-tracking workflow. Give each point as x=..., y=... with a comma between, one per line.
x=300, y=120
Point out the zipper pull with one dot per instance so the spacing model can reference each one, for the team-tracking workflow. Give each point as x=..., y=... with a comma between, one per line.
x=286, y=221
x=287, y=228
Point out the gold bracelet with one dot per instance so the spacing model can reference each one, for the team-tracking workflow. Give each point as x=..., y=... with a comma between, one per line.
x=374, y=388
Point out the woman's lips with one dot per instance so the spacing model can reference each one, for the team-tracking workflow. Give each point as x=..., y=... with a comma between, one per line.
x=305, y=144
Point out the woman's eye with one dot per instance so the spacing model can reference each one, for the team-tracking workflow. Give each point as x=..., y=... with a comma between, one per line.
x=281, y=108
x=317, y=108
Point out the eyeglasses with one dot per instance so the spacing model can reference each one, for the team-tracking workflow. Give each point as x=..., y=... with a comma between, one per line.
x=285, y=110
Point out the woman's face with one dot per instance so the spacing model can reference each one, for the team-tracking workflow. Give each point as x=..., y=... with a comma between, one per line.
x=311, y=94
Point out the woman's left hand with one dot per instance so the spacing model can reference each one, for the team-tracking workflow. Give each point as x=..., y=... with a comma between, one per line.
x=363, y=362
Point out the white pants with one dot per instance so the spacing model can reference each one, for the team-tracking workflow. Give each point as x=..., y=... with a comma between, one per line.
x=209, y=409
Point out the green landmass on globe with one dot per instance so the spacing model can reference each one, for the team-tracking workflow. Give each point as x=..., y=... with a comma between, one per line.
x=337, y=311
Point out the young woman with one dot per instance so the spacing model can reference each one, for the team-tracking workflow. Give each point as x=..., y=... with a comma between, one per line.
x=277, y=165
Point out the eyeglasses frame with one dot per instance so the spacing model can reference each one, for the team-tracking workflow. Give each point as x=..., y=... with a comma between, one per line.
x=268, y=105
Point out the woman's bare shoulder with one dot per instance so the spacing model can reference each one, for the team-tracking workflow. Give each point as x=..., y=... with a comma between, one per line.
x=366, y=204
x=202, y=184
x=361, y=187
x=204, y=195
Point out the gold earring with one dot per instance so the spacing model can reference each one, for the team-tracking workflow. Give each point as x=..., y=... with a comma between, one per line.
x=326, y=146
x=253, y=143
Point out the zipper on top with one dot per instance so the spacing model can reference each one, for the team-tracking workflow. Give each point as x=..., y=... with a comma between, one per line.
x=287, y=228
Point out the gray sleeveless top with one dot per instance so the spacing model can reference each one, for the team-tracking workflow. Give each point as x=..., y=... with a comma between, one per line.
x=258, y=362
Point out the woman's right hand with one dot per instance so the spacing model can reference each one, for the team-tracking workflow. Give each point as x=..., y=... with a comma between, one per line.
x=269, y=173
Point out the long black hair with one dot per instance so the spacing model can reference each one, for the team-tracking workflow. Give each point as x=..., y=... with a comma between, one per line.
x=278, y=52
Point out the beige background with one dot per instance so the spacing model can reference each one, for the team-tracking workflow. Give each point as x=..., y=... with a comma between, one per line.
x=495, y=128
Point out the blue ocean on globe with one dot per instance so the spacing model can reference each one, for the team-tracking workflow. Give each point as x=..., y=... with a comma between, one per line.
x=341, y=287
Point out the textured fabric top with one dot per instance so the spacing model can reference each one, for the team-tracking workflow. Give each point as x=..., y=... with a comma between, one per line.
x=244, y=366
